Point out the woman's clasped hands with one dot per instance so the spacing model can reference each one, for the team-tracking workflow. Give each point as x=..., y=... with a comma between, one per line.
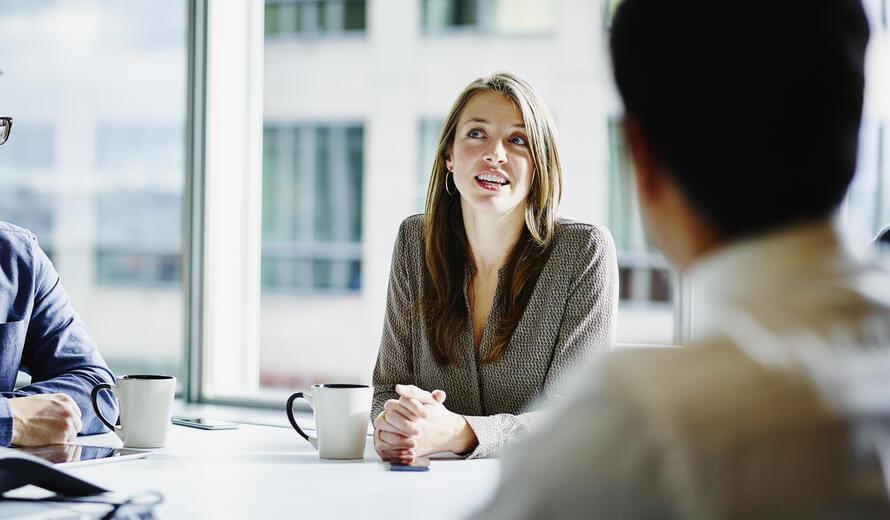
x=417, y=424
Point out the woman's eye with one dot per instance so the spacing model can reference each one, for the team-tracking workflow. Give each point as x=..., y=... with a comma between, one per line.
x=474, y=133
x=517, y=139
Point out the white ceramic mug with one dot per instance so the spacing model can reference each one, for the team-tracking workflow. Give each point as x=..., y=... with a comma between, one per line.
x=341, y=413
x=144, y=402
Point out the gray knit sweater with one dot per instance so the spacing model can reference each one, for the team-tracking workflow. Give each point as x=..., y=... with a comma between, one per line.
x=569, y=319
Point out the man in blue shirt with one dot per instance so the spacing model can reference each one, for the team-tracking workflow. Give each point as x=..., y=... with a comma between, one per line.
x=42, y=335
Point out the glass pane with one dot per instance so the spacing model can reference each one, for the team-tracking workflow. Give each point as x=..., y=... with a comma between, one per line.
x=645, y=295
x=271, y=19
x=524, y=16
x=95, y=165
x=31, y=148
x=322, y=24
x=354, y=15
x=430, y=129
x=445, y=14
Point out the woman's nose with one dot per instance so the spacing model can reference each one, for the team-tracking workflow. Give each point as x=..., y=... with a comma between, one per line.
x=496, y=153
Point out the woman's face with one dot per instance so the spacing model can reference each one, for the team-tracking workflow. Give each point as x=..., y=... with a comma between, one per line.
x=490, y=156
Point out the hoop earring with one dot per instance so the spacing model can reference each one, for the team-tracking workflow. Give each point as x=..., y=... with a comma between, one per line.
x=446, y=182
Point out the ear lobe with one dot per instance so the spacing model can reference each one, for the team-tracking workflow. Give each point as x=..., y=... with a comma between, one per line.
x=448, y=160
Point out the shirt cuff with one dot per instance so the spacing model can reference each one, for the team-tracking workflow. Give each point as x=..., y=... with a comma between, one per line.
x=5, y=422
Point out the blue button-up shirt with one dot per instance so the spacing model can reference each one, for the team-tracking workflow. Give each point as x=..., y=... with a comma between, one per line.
x=42, y=335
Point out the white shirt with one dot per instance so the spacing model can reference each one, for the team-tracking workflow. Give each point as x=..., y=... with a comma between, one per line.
x=776, y=410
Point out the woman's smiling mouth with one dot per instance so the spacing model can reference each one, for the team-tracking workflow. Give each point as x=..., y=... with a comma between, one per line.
x=491, y=181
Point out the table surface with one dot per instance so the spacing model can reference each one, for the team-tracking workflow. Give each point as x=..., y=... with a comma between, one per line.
x=260, y=471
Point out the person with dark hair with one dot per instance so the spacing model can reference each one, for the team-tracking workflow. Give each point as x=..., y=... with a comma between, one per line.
x=492, y=299
x=742, y=122
x=42, y=335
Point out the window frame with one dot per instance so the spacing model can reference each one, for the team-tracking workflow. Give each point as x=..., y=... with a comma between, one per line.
x=222, y=222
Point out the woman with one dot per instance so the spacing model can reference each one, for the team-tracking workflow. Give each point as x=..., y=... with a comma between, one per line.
x=491, y=298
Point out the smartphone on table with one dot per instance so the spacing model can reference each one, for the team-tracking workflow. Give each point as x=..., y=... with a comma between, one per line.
x=204, y=423
x=419, y=464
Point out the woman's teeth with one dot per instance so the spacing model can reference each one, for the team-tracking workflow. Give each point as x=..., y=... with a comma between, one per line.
x=496, y=179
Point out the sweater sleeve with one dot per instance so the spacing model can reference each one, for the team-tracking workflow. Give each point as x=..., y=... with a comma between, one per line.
x=496, y=431
x=586, y=330
x=395, y=357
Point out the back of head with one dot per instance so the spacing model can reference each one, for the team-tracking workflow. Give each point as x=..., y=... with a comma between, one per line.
x=753, y=107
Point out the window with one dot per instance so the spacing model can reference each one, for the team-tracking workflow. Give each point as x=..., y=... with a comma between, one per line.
x=139, y=238
x=311, y=250
x=31, y=209
x=141, y=151
x=312, y=208
x=314, y=17
x=502, y=16
x=33, y=150
x=322, y=295
x=430, y=130
x=95, y=164
x=645, y=284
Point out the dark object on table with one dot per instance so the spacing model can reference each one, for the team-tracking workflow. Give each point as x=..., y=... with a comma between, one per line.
x=19, y=469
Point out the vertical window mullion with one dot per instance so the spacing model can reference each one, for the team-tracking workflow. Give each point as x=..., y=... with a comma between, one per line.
x=306, y=205
x=341, y=196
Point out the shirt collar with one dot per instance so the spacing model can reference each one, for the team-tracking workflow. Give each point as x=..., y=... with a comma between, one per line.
x=749, y=271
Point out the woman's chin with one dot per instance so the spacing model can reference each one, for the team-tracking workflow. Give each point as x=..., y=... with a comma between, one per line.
x=495, y=205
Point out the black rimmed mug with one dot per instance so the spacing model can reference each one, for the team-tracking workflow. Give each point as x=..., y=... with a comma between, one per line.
x=341, y=413
x=144, y=402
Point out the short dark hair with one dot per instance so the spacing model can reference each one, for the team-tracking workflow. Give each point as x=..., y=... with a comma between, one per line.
x=754, y=107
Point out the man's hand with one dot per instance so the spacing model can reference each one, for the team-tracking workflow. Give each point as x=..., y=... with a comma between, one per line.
x=44, y=419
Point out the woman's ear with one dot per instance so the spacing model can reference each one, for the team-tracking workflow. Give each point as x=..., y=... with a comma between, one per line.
x=448, y=161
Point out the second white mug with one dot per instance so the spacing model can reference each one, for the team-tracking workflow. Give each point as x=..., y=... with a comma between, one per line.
x=342, y=413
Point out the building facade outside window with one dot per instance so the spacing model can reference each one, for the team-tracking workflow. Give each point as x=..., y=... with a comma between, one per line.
x=139, y=240
x=500, y=16
x=312, y=18
x=312, y=208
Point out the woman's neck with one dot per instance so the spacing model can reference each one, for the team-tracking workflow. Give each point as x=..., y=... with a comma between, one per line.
x=492, y=237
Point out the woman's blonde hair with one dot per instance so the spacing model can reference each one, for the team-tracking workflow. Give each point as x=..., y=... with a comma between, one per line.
x=447, y=250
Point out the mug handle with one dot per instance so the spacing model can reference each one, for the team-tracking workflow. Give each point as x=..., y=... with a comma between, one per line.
x=93, y=397
x=293, y=422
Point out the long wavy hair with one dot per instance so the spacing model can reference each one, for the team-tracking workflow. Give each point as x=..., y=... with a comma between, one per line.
x=442, y=306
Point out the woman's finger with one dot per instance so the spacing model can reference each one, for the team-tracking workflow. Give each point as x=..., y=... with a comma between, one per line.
x=439, y=396
x=413, y=392
x=380, y=422
x=401, y=408
x=397, y=441
x=406, y=456
x=387, y=451
x=413, y=406
x=397, y=423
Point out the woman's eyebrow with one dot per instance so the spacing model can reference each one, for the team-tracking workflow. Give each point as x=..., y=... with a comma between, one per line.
x=485, y=122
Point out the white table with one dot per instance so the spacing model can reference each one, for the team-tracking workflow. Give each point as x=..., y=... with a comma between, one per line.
x=271, y=472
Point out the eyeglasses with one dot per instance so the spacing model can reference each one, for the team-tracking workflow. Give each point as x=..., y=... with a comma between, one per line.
x=5, y=128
